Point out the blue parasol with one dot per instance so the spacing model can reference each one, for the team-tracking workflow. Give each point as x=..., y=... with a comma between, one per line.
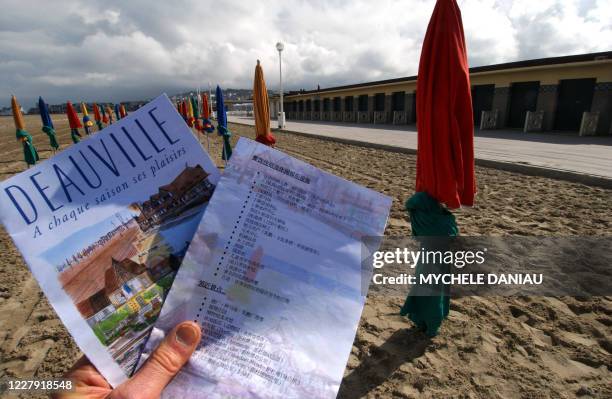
x=44, y=113
x=222, y=126
x=48, y=127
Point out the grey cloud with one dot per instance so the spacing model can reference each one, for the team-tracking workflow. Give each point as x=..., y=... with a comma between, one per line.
x=116, y=50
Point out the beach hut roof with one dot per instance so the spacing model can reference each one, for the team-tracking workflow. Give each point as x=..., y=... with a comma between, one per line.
x=189, y=177
x=121, y=272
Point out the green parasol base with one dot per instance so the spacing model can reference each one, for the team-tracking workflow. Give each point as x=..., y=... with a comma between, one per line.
x=428, y=218
x=30, y=155
x=52, y=136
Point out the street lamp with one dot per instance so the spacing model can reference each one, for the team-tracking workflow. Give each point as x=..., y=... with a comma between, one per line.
x=281, y=114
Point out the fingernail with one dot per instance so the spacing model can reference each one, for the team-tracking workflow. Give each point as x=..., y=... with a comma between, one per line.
x=187, y=335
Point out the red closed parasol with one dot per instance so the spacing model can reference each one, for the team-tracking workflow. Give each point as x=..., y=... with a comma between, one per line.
x=73, y=118
x=97, y=116
x=445, y=160
x=445, y=156
x=74, y=122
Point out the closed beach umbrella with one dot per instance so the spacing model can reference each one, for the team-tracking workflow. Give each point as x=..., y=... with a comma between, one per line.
x=222, y=125
x=208, y=126
x=196, y=113
x=109, y=112
x=30, y=155
x=104, y=115
x=205, y=109
x=117, y=112
x=87, y=123
x=122, y=111
x=189, y=112
x=47, y=123
x=184, y=110
x=261, y=108
x=44, y=113
x=74, y=122
x=97, y=116
x=445, y=158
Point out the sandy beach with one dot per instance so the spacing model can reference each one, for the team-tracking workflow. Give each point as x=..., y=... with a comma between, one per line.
x=519, y=347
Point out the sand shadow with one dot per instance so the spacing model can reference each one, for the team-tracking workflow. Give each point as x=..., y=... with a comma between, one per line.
x=402, y=347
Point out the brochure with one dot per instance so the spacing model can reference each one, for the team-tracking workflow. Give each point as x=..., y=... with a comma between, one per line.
x=104, y=226
x=274, y=277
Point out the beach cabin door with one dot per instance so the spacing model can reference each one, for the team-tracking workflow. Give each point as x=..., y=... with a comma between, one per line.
x=482, y=100
x=523, y=98
x=575, y=97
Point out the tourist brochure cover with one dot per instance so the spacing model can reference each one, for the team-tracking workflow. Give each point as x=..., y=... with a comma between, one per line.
x=104, y=226
x=274, y=276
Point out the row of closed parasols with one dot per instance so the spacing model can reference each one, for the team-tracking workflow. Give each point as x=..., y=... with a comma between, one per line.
x=188, y=108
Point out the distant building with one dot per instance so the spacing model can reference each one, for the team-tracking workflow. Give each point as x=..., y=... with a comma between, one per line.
x=124, y=279
x=134, y=105
x=96, y=308
x=122, y=282
x=242, y=108
x=190, y=188
x=8, y=111
x=162, y=267
x=57, y=108
x=571, y=93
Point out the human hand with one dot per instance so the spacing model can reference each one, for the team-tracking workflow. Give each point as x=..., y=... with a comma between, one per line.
x=148, y=382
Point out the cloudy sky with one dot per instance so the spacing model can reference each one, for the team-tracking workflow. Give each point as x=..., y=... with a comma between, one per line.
x=115, y=50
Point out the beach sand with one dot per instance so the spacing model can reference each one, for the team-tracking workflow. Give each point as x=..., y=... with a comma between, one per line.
x=521, y=347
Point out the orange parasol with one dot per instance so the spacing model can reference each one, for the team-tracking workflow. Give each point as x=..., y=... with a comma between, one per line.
x=29, y=151
x=109, y=113
x=97, y=116
x=17, y=115
x=261, y=108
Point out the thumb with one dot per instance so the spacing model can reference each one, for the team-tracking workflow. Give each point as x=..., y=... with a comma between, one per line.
x=165, y=362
